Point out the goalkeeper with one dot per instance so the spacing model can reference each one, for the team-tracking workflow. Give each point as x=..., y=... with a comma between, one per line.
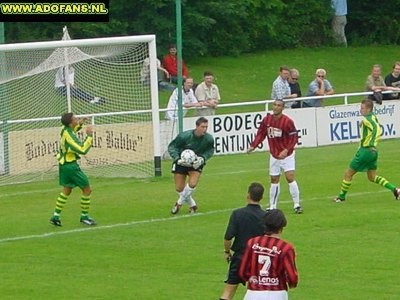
x=202, y=143
x=70, y=173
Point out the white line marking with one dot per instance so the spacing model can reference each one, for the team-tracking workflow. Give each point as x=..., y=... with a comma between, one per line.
x=133, y=223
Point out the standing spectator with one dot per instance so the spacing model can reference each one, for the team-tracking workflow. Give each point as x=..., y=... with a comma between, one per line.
x=393, y=80
x=269, y=263
x=188, y=100
x=64, y=78
x=294, y=86
x=202, y=143
x=170, y=63
x=207, y=93
x=70, y=173
x=339, y=21
x=161, y=74
x=244, y=223
x=366, y=158
x=320, y=86
x=375, y=84
x=282, y=138
x=280, y=87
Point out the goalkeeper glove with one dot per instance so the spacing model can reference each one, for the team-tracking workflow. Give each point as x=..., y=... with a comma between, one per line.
x=198, y=162
x=183, y=163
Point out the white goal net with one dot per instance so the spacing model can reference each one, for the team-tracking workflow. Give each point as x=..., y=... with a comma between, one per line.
x=98, y=78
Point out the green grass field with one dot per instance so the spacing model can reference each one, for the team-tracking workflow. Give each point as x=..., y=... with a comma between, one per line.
x=140, y=251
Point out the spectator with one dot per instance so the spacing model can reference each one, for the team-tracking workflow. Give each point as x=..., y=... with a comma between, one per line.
x=294, y=86
x=393, y=80
x=339, y=21
x=64, y=78
x=188, y=100
x=170, y=63
x=162, y=73
x=280, y=87
x=207, y=93
x=320, y=86
x=375, y=84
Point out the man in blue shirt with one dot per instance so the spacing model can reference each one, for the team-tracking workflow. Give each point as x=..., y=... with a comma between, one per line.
x=320, y=86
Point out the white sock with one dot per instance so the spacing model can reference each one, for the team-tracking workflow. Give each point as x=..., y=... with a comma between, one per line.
x=191, y=202
x=294, y=191
x=185, y=194
x=274, y=191
x=181, y=198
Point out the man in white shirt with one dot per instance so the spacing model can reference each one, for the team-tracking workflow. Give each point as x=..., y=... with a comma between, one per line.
x=188, y=100
x=207, y=93
x=162, y=73
x=281, y=88
x=63, y=78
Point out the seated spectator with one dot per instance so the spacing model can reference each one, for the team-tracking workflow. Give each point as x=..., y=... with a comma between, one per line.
x=170, y=63
x=294, y=86
x=375, y=83
x=392, y=82
x=188, y=100
x=207, y=93
x=64, y=78
x=280, y=87
x=320, y=86
x=161, y=74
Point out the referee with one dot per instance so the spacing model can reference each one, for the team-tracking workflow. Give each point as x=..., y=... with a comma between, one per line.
x=244, y=223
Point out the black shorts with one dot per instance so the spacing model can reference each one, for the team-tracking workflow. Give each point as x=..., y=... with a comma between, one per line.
x=233, y=272
x=184, y=170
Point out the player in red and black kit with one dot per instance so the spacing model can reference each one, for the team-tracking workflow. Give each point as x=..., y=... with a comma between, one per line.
x=282, y=138
x=269, y=263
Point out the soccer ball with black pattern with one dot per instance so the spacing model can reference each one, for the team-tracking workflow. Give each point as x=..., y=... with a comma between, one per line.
x=188, y=156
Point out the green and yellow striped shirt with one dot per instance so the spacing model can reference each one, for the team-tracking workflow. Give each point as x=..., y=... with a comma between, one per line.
x=71, y=146
x=371, y=131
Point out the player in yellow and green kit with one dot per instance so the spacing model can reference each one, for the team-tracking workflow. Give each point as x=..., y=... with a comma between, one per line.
x=71, y=175
x=366, y=158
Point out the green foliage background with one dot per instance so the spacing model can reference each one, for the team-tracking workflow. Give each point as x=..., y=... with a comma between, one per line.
x=217, y=28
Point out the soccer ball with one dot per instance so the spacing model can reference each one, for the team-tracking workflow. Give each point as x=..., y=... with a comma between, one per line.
x=188, y=156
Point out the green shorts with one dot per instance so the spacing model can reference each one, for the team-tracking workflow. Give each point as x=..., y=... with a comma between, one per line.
x=364, y=160
x=72, y=176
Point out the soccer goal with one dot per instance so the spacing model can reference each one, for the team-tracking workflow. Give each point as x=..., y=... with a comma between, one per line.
x=98, y=78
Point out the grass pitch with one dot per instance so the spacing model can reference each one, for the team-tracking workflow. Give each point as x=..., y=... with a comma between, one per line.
x=140, y=251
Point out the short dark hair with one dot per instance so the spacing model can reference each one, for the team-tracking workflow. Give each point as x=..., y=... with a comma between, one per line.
x=172, y=46
x=286, y=68
x=368, y=103
x=201, y=120
x=208, y=73
x=66, y=119
x=274, y=220
x=256, y=191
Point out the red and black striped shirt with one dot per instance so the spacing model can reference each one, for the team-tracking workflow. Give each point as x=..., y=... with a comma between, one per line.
x=268, y=264
x=281, y=133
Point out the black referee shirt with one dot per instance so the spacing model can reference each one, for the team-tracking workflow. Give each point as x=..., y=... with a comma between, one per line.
x=244, y=223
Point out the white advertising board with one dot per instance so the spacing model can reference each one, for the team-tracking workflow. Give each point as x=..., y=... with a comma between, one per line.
x=341, y=124
x=316, y=126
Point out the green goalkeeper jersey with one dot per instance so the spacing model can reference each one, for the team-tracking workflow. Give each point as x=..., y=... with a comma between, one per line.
x=201, y=145
x=71, y=146
x=371, y=131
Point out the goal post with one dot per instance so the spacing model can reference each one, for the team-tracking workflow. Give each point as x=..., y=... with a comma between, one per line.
x=36, y=88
